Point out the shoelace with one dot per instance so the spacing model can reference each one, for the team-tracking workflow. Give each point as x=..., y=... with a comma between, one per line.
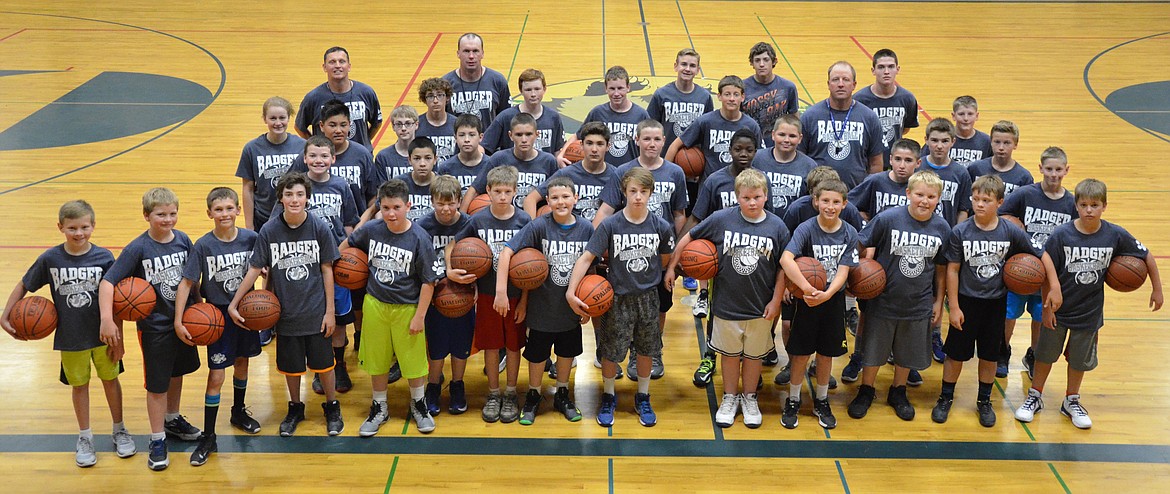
x=1075, y=408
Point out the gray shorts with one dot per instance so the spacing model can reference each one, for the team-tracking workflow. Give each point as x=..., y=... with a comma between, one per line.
x=632, y=319
x=909, y=341
x=1080, y=352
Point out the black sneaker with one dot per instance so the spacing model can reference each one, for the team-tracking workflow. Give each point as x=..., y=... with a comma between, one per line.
x=551, y=368
x=431, y=395
x=317, y=387
x=563, y=402
x=242, y=420
x=632, y=367
x=914, y=378
x=942, y=410
x=333, y=422
x=1001, y=366
x=824, y=413
x=986, y=413
x=772, y=358
x=851, y=320
x=179, y=428
x=158, y=459
x=357, y=340
x=342, y=384
x=861, y=403
x=458, y=402
x=705, y=371
x=784, y=376
x=296, y=413
x=204, y=450
x=790, y=418
x=812, y=373
x=897, y=399
x=531, y=405
x=395, y=374
x=1030, y=362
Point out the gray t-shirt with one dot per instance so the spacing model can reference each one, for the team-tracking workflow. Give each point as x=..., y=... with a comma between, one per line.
x=877, y=193
x=356, y=166
x=670, y=190
x=1016, y=177
x=419, y=197
x=293, y=257
x=441, y=235
x=749, y=258
x=713, y=133
x=766, y=103
x=635, y=251
x=834, y=249
x=589, y=187
x=442, y=135
x=484, y=98
x=532, y=173
x=676, y=110
x=1081, y=262
x=400, y=263
x=464, y=174
x=718, y=192
x=803, y=208
x=965, y=151
x=332, y=203
x=786, y=180
x=844, y=140
x=981, y=255
x=220, y=265
x=73, y=281
x=550, y=131
x=161, y=265
x=264, y=163
x=956, y=193
x=908, y=251
x=496, y=233
x=561, y=245
x=1039, y=213
x=392, y=164
x=896, y=114
x=364, y=110
x=622, y=130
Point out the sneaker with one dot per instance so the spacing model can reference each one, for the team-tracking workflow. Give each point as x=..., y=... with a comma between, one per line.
x=752, y=418
x=431, y=395
x=812, y=374
x=597, y=364
x=242, y=420
x=317, y=387
x=204, y=450
x=824, y=413
x=491, y=407
x=377, y=417
x=657, y=369
x=510, y=408
x=531, y=405
x=690, y=283
x=784, y=376
x=1032, y=404
x=296, y=413
x=942, y=410
x=772, y=358
x=852, y=370
x=605, y=411
x=394, y=375
x=1073, y=409
x=851, y=319
x=936, y=346
x=85, y=457
x=124, y=444
x=861, y=403
x=265, y=337
x=646, y=415
x=180, y=429
x=1030, y=362
x=725, y=416
x=158, y=459
x=422, y=418
x=914, y=379
x=632, y=367
x=551, y=369
x=701, y=305
x=986, y=413
x=790, y=417
x=333, y=422
x=897, y=399
x=458, y=402
x=705, y=371
x=1001, y=368
x=503, y=361
x=342, y=384
x=563, y=402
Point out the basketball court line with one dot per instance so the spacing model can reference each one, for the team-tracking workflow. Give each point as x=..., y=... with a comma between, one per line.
x=1092, y=92
x=406, y=90
x=688, y=31
x=517, y=51
x=13, y=34
x=646, y=36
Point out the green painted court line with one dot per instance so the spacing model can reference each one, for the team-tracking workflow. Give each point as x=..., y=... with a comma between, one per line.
x=1058, y=478
x=390, y=479
x=518, y=40
x=1012, y=406
x=785, y=57
x=688, y=31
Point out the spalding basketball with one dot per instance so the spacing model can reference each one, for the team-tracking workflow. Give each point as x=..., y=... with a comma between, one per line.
x=867, y=280
x=33, y=318
x=597, y=294
x=1126, y=273
x=473, y=255
x=260, y=310
x=528, y=269
x=453, y=299
x=479, y=202
x=691, y=160
x=699, y=260
x=813, y=271
x=134, y=299
x=1023, y=274
x=204, y=322
x=351, y=270
x=574, y=152
x=543, y=210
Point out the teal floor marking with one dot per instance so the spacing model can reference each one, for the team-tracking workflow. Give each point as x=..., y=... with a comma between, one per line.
x=518, y=40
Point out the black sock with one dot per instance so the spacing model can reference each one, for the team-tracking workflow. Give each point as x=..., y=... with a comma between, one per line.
x=239, y=389
x=984, y=391
x=948, y=390
x=210, y=411
x=339, y=355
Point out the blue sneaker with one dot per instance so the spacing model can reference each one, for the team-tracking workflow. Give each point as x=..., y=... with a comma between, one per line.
x=914, y=379
x=936, y=345
x=265, y=337
x=853, y=369
x=605, y=412
x=158, y=459
x=690, y=283
x=646, y=415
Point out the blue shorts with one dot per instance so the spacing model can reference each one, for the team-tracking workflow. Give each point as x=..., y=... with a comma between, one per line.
x=236, y=342
x=449, y=336
x=342, y=300
x=1016, y=304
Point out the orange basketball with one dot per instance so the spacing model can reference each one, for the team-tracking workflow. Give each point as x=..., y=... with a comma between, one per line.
x=479, y=202
x=33, y=317
x=472, y=254
x=691, y=160
x=867, y=280
x=528, y=269
x=1023, y=274
x=204, y=322
x=260, y=310
x=1126, y=273
x=1015, y=221
x=813, y=271
x=351, y=270
x=574, y=152
x=699, y=260
x=543, y=210
x=453, y=299
x=134, y=299
x=597, y=294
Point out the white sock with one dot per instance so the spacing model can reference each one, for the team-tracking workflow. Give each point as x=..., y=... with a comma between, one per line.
x=158, y=436
x=119, y=426
x=417, y=393
x=563, y=384
x=607, y=384
x=171, y=416
x=380, y=396
x=511, y=390
x=822, y=391
x=644, y=385
x=86, y=433
x=493, y=391
x=794, y=391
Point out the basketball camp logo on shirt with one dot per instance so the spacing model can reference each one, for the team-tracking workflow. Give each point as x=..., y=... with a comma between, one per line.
x=439, y=242
x=913, y=250
x=1040, y=223
x=890, y=117
x=496, y=240
x=274, y=166
x=357, y=113
x=745, y=251
x=561, y=255
x=420, y=206
x=228, y=269
x=839, y=149
x=721, y=144
x=1087, y=263
x=660, y=198
x=635, y=249
x=589, y=202
x=985, y=256
x=784, y=186
x=77, y=285
x=681, y=114
x=325, y=207
x=165, y=272
x=389, y=261
x=464, y=102
x=294, y=258
x=830, y=256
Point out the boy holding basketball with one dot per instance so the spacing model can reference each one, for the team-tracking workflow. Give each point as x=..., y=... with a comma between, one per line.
x=712, y=131
x=1080, y=252
x=465, y=165
x=73, y=270
x=402, y=279
x=588, y=176
x=158, y=256
x=220, y=259
x=638, y=242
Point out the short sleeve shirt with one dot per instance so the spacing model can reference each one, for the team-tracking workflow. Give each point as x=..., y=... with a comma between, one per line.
x=220, y=265
x=635, y=251
x=670, y=190
x=561, y=245
x=843, y=140
x=550, y=131
x=713, y=133
x=442, y=135
x=981, y=255
x=622, y=129
x=877, y=193
x=441, y=235
x=748, y=261
x=293, y=257
x=908, y=251
x=419, y=196
x=896, y=113
x=464, y=174
x=785, y=180
x=392, y=164
x=589, y=187
x=160, y=264
x=483, y=98
x=400, y=263
x=496, y=233
x=73, y=282
x=1081, y=262
x=356, y=166
x=532, y=173
x=332, y=203
x=676, y=110
x=364, y=110
x=1039, y=213
x=803, y=208
x=263, y=163
x=1016, y=177
x=956, y=193
x=833, y=250
x=766, y=103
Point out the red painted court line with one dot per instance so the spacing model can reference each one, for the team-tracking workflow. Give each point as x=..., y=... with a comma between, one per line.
x=406, y=90
x=13, y=34
x=867, y=55
x=46, y=247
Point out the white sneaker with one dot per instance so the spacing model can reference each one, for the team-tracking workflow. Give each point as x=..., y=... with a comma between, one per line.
x=1073, y=409
x=377, y=417
x=699, y=309
x=725, y=416
x=85, y=456
x=124, y=444
x=422, y=417
x=1032, y=404
x=752, y=417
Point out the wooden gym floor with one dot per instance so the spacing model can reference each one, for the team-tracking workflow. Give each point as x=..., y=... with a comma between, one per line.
x=102, y=100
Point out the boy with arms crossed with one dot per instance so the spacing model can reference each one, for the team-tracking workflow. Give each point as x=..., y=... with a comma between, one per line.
x=619, y=114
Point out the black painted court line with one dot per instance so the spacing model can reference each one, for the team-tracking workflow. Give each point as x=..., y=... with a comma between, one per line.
x=646, y=36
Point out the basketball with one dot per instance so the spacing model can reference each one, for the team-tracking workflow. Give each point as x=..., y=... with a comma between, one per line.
x=453, y=299
x=597, y=294
x=574, y=152
x=699, y=260
x=691, y=160
x=543, y=210
x=1023, y=274
x=813, y=271
x=260, y=310
x=134, y=299
x=204, y=322
x=1126, y=273
x=867, y=280
x=1015, y=221
x=352, y=269
x=479, y=202
x=33, y=317
x=473, y=255
x=528, y=269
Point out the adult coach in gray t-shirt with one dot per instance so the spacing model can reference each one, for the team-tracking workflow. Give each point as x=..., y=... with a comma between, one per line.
x=476, y=89
x=365, y=113
x=842, y=133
